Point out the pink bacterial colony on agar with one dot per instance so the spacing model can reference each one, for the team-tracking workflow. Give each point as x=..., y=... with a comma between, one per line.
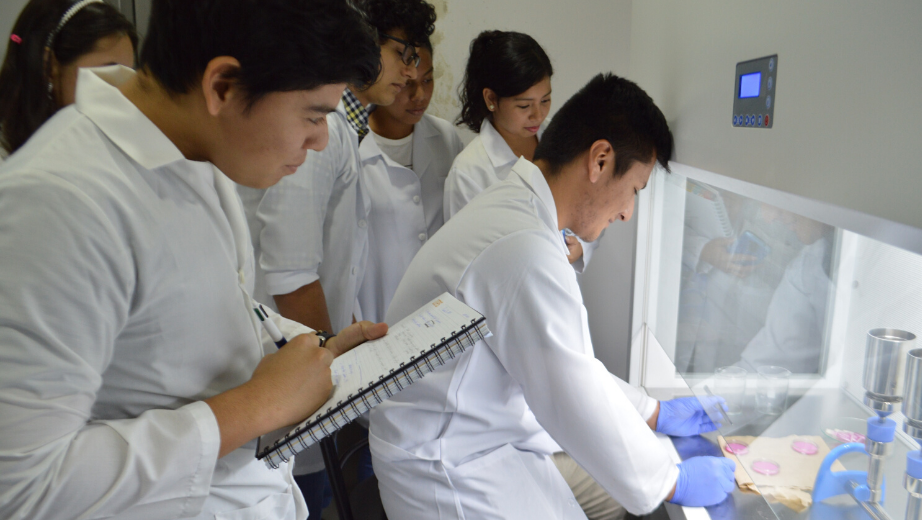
x=804, y=447
x=847, y=436
x=766, y=467
x=737, y=448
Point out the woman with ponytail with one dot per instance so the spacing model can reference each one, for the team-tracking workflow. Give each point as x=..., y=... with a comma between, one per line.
x=505, y=97
x=51, y=40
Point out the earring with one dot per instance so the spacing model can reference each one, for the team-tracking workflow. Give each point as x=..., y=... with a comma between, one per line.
x=491, y=108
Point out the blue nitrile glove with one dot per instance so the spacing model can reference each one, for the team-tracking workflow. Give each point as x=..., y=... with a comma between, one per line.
x=704, y=481
x=685, y=416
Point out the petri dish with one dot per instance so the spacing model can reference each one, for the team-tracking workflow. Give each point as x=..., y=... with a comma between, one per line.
x=737, y=448
x=765, y=467
x=845, y=429
x=805, y=447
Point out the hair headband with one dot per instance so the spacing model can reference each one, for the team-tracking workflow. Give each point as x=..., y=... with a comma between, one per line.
x=74, y=9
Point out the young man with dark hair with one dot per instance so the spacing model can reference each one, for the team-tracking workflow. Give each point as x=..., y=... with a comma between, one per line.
x=310, y=231
x=134, y=375
x=477, y=437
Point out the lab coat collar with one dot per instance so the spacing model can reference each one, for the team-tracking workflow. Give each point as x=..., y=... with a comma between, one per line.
x=497, y=150
x=422, y=131
x=422, y=155
x=533, y=178
x=370, y=150
x=99, y=99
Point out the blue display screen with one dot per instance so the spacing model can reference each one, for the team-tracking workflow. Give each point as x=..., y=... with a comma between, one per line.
x=750, y=84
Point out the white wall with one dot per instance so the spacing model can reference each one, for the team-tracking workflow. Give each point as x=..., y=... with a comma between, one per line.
x=848, y=109
x=582, y=39
x=9, y=12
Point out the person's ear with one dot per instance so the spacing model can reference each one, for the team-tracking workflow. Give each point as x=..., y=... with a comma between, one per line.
x=601, y=160
x=219, y=84
x=490, y=99
x=53, y=67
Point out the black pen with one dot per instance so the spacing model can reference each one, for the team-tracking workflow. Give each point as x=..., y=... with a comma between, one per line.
x=270, y=327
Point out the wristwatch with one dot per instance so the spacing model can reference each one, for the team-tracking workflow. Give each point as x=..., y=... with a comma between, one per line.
x=323, y=336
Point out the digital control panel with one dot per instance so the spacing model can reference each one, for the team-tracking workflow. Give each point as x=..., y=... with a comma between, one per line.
x=754, y=92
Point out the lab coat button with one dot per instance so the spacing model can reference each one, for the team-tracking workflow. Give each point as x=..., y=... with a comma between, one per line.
x=362, y=224
x=353, y=270
x=416, y=199
x=422, y=236
x=241, y=276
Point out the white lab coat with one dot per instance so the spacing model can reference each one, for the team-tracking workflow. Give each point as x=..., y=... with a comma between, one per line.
x=474, y=438
x=123, y=304
x=313, y=225
x=485, y=161
x=406, y=208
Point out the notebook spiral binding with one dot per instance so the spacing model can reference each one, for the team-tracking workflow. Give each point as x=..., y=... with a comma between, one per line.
x=375, y=393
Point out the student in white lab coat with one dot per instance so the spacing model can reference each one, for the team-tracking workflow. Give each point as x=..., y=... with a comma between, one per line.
x=50, y=42
x=404, y=165
x=474, y=439
x=310, y=231
x=134, y=375
x=505, y=99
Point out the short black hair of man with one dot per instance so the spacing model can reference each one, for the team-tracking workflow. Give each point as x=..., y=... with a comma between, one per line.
x=282, y=45
x=613, y=109
x=415, y=17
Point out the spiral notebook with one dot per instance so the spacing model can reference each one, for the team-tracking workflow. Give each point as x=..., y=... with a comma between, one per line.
x=374, y=371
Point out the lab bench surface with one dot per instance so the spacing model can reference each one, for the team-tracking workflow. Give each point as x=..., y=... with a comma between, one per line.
x=808, y=414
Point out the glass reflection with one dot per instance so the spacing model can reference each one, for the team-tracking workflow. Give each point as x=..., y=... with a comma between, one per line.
x=756, y=285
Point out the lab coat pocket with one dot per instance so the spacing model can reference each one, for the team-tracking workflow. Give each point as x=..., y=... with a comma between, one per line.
x=280, y=506
x=513, y=485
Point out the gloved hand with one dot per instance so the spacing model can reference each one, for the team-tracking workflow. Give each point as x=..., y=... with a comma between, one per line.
x=704, y=481
x=685, y=416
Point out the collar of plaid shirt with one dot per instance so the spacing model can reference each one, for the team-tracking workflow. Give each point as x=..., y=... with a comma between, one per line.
x=356, y=114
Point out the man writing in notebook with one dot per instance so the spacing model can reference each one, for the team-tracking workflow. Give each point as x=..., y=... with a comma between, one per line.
x=477, y=438
x=310, y=231
x=134, y=374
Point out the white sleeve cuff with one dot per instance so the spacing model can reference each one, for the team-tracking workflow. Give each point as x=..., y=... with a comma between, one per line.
x=200, y=485
x=285, y=282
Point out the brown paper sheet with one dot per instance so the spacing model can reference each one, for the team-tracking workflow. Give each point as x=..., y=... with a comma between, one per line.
x=793, y=484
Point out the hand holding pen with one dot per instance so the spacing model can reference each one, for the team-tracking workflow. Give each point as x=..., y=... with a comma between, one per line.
x=350, y=337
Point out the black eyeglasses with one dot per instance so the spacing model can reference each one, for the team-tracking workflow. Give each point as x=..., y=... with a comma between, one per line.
x=409, y=55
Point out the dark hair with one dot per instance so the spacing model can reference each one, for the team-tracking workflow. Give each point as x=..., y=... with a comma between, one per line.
x=282, y=45
x=415, y=17
x=507, y=63
x=613, y=109
x=26, y=103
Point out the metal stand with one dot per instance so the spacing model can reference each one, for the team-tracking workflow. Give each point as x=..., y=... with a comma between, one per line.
x=335, y=473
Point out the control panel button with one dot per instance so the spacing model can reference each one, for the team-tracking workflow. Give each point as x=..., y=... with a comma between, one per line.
x=766, y=120
x=760, y=120
x=771, y=64
x=735, y=120
x=768, y=102
x=747, y=120
x=771, y=82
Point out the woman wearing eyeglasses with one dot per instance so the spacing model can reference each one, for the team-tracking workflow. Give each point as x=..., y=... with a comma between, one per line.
x=405, y=163
x=505, y=98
